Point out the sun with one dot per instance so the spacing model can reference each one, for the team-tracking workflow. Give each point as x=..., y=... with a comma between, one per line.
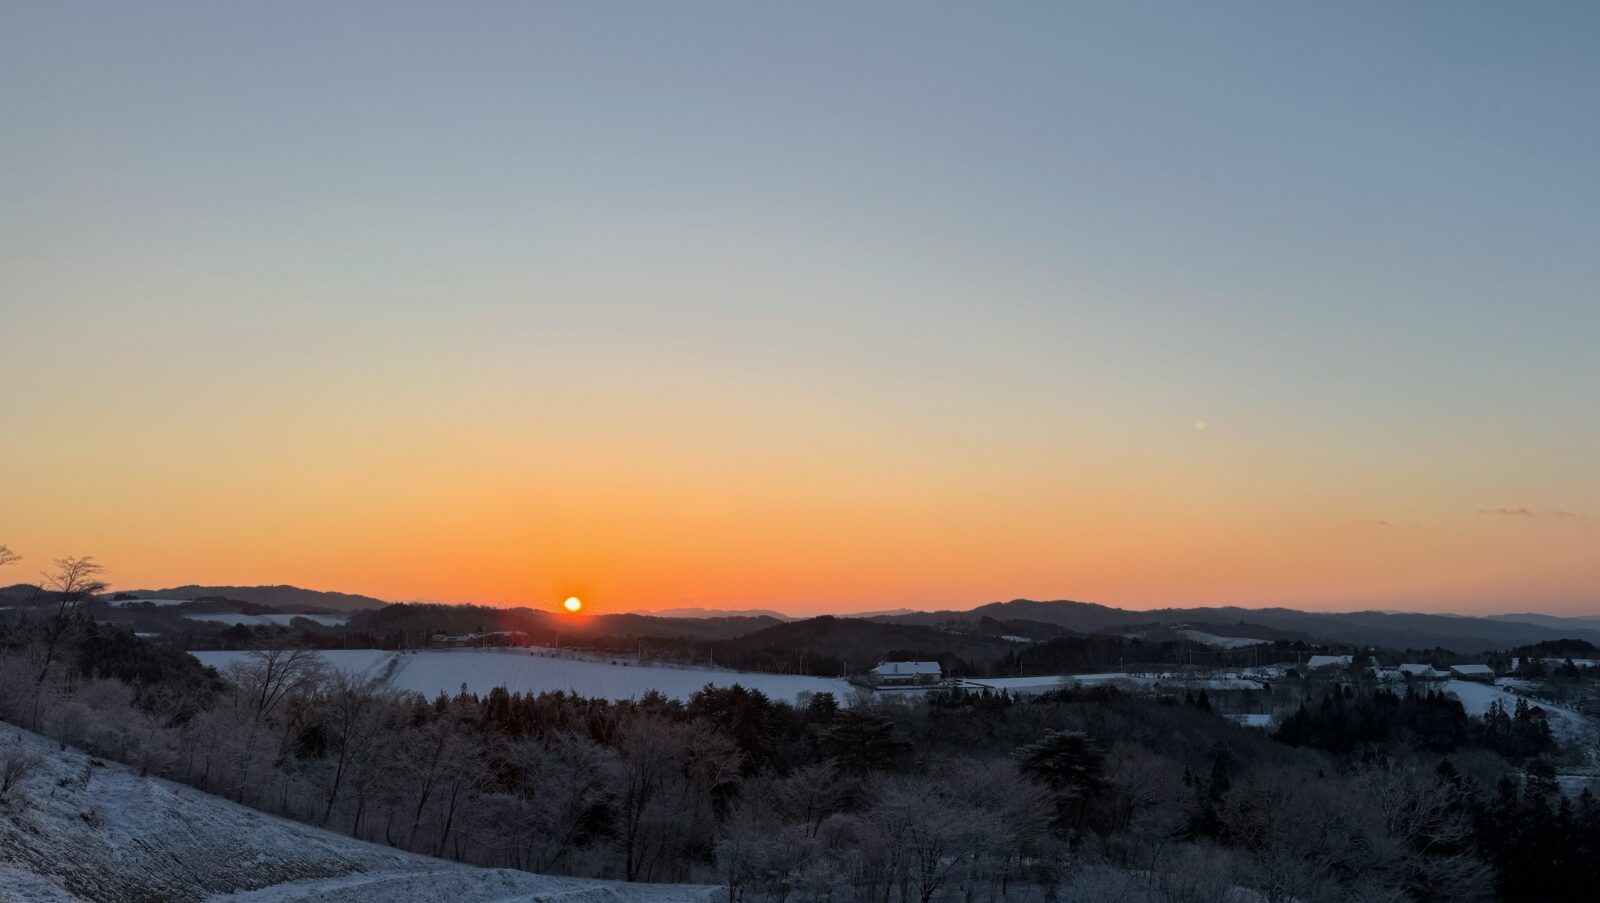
x=573, y=603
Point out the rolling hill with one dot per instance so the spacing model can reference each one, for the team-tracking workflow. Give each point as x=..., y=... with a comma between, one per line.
x=81, y=829
x=862, y=642
x=1394, y=630
x=282, y=597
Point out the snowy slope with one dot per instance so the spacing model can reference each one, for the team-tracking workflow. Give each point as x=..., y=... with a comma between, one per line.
x=280, y=620
x=444, y=671
x=74, y=830
x=1220, y=642
x=1476, y=697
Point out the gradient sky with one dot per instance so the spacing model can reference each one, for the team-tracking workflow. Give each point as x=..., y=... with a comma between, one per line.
x=811, y=306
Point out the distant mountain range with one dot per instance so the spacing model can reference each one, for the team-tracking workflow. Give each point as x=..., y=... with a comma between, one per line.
x=698, y=612
x=1394, y=630
x=693, y=612
x=1018, y=619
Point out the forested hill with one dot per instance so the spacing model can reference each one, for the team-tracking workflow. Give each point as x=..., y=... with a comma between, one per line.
x=422, y=619
x=282, y=597
x=1395, y=630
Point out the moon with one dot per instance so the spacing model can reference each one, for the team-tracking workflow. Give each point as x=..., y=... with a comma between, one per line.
x=573, y=603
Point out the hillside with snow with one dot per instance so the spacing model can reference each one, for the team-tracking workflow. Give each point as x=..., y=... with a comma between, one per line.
x=77, y=828
x=540, y=670
x=1476, y=699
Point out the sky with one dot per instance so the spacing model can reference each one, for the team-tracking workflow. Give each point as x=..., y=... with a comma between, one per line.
x=817, y=307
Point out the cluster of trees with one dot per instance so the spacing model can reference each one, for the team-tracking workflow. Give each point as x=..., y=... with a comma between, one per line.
x=1542, y=844
x=1347, y=720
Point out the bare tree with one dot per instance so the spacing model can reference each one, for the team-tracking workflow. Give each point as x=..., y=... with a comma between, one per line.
x=76, y=579
x=563, y=781
x=6, y=557
x=354, y=706
x=262, y=683
x=269, y=676
x=15, y=766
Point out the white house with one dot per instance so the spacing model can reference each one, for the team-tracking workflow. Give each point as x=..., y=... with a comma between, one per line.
x=1480, y=673
x=893, y=673
x=1318, y=662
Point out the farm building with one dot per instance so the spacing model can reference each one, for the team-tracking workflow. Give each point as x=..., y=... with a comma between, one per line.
x=1480, y=673
x=1424, y=672
x=905, y=673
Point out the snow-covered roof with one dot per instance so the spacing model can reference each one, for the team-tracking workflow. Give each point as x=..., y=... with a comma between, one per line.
x=907, y=668
x=1327, y=661
x=1417, y=670
x=1475, y=670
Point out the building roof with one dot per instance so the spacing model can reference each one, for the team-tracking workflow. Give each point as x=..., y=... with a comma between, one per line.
x=1478, y=670
x=1417, y=670
x=907, y=668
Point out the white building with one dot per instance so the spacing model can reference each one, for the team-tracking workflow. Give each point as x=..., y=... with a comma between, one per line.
x=1423, y=672
x=893, y=673
x=1480, y=673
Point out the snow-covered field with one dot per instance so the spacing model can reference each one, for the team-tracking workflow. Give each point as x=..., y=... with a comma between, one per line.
x=280, y=620
x=74, y=831
x=1219, y=642
x=444, y=671
x=158, y=603
x=1476, y=697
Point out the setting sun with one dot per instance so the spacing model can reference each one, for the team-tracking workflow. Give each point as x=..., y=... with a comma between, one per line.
x=573, y=603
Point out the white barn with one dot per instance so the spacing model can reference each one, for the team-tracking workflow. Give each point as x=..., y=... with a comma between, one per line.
x=1481, y=673
x=891, y=673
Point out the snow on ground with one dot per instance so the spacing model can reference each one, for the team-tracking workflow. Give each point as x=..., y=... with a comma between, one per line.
x=75, y=830
x=280, y=620
x=450, y=885
x=1476, y=697
x=444, y=671
x=1220, y=642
